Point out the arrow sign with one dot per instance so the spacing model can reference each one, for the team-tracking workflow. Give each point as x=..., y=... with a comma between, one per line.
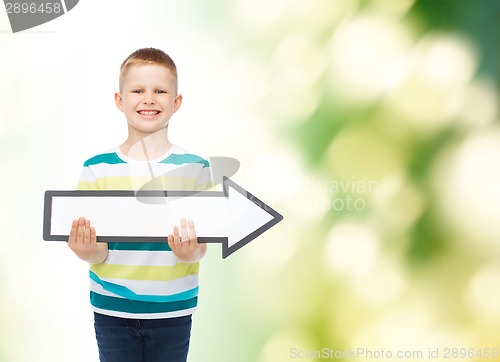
x=232, y=217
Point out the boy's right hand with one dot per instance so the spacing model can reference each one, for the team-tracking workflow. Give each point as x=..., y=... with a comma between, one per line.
x=82, y=240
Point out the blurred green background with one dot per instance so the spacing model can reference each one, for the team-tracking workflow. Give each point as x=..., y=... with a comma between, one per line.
x=371, y=125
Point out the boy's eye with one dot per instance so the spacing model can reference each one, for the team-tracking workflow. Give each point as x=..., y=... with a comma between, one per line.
x=160, y=92
x=138, y=91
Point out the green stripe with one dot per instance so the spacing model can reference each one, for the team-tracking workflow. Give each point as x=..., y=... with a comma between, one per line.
x=134, y=306
x=110, y=158
x=178, y=159
x=125, y=292
x=139, y=246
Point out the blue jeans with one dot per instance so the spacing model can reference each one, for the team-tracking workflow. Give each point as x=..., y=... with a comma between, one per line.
x=142, y=340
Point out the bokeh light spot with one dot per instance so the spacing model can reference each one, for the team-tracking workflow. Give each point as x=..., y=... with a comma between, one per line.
x=428, y=93
x=483, y=294
x=362, y=154
x=398, y=203
x=365, y=51
x=351, y=249
x=283, y=343
x=470, y=189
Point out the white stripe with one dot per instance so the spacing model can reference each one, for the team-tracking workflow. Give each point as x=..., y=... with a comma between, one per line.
x=191, y=169
x=121, y=169
x=87, y=175
x=150, y=287
x=64, y=6
x=179, y=313
x=174, y=149
x=97, y=288
x=141, y=169
x=142, y=258
x=205, y=176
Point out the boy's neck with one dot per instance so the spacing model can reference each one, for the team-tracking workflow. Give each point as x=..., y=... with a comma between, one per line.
x=146, y=147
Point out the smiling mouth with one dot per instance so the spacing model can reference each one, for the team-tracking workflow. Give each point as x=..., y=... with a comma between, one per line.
x=148, y=113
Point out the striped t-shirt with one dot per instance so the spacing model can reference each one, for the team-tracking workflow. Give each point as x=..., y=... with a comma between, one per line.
x=144, y=280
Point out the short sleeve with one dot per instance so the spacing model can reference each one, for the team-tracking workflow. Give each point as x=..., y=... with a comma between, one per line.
x=87, y=180
x=205, y=179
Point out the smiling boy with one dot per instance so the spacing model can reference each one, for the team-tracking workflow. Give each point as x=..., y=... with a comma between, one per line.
x=143, y=294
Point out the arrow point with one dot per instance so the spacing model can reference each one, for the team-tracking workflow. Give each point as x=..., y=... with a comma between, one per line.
x=254, y=217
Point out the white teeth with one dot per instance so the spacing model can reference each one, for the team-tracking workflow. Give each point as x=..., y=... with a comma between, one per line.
x=148, y=113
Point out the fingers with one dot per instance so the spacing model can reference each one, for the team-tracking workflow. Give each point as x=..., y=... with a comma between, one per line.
x=93, y=237
x=183, y=236
x=174, y=240
x=81, y=232
x=188, y=233
x=192, y=232
x=184, y=243
x=170, y=241
x=72, y=233
x=83, y=241
x=184, y=230
x=177, y=239
x=86, y=232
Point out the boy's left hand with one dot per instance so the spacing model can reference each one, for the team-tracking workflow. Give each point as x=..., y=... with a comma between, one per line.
x=186, y=246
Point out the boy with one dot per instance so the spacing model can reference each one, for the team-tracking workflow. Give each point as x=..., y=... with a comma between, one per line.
x=143, y=294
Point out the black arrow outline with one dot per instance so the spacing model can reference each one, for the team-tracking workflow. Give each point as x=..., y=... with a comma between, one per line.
x=227, y=185
x=226, y=250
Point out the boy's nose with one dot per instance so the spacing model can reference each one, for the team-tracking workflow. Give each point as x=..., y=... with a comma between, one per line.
x=149, y=98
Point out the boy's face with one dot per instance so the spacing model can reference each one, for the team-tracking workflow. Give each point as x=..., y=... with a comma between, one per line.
x=148, y=98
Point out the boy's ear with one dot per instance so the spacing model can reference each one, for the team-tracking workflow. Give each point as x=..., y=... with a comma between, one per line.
x=119, y=101
x=177, y=102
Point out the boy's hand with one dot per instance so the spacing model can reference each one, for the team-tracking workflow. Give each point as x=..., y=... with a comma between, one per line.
x=82, y=240
x=186, y=247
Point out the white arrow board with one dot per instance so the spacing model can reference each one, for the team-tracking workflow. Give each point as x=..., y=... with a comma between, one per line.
x=233, y=217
